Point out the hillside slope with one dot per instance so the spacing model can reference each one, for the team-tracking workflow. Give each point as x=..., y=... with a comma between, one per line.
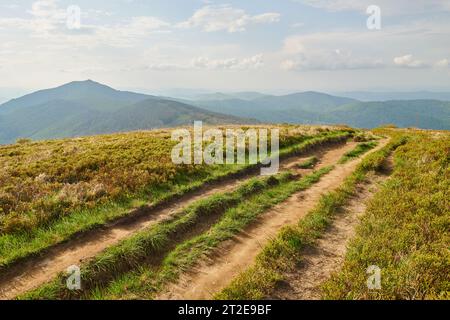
x=91, y=93
x=429, y=114
x=312, y=107
x=387, y=96
x=304, y=107
x=88, y=107
x=149, y=114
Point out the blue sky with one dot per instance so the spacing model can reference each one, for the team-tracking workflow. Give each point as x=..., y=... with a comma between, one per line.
x=272, y=46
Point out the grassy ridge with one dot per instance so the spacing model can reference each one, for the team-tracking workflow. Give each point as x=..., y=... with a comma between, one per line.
x=43, y=181
x=284, y=252
x=147, y=282
x=112, y=257
x=405, y=230
x=133, y=251
x=17, y=245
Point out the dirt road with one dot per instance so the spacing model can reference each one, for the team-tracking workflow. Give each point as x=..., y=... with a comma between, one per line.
x=236, y=255
x=39, y=270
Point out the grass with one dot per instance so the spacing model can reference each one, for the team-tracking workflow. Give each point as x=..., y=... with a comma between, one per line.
x=19, y=245
x=15, y=246
x=147, y=282
x=358, y=151
x=405, y=229
x=285, y=252
x=308, y=163
x=108, y=266
x=43, y=181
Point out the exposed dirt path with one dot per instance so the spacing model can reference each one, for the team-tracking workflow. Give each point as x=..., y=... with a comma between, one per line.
x=237, y=254
x=327, y=255
x=39, y=270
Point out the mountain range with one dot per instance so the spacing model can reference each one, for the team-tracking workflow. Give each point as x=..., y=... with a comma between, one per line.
x=319, y=108
x=305, y=107
x=386, y=96
x=88, y=107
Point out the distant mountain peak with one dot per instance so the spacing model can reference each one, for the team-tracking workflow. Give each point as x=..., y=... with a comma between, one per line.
x=88, y=81
x=89, y=107
x=310, y=93
x=85, y=83
x=314, y=92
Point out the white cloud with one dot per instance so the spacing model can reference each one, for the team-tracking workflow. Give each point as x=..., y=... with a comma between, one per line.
x=408, y=61
x=48, y=21
x=289, y=65
x=146, y=23
x=122, y=48
x=335, y=60
x=391, y=7
x=249, y=63
x=45, y=16
x=444, y=63
x=346, y=49
x=16, y=23
x=126, y=32
x=310, y=53
x=253, y=62
x=226, y=18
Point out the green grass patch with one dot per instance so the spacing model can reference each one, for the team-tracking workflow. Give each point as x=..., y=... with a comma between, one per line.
x=132, y=251
x=358, y=151
x=308, y=163
x=147, y=282
x=20, y=245
x=405, y=230
x=284, y=253
x=264, y=194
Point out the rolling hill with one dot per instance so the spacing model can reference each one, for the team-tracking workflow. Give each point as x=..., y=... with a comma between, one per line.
x=88, y=107
x=319, y=108
x=428, y=114
x=387, y=96
x=304, y=107
x=90, y=93
x=245, y=95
